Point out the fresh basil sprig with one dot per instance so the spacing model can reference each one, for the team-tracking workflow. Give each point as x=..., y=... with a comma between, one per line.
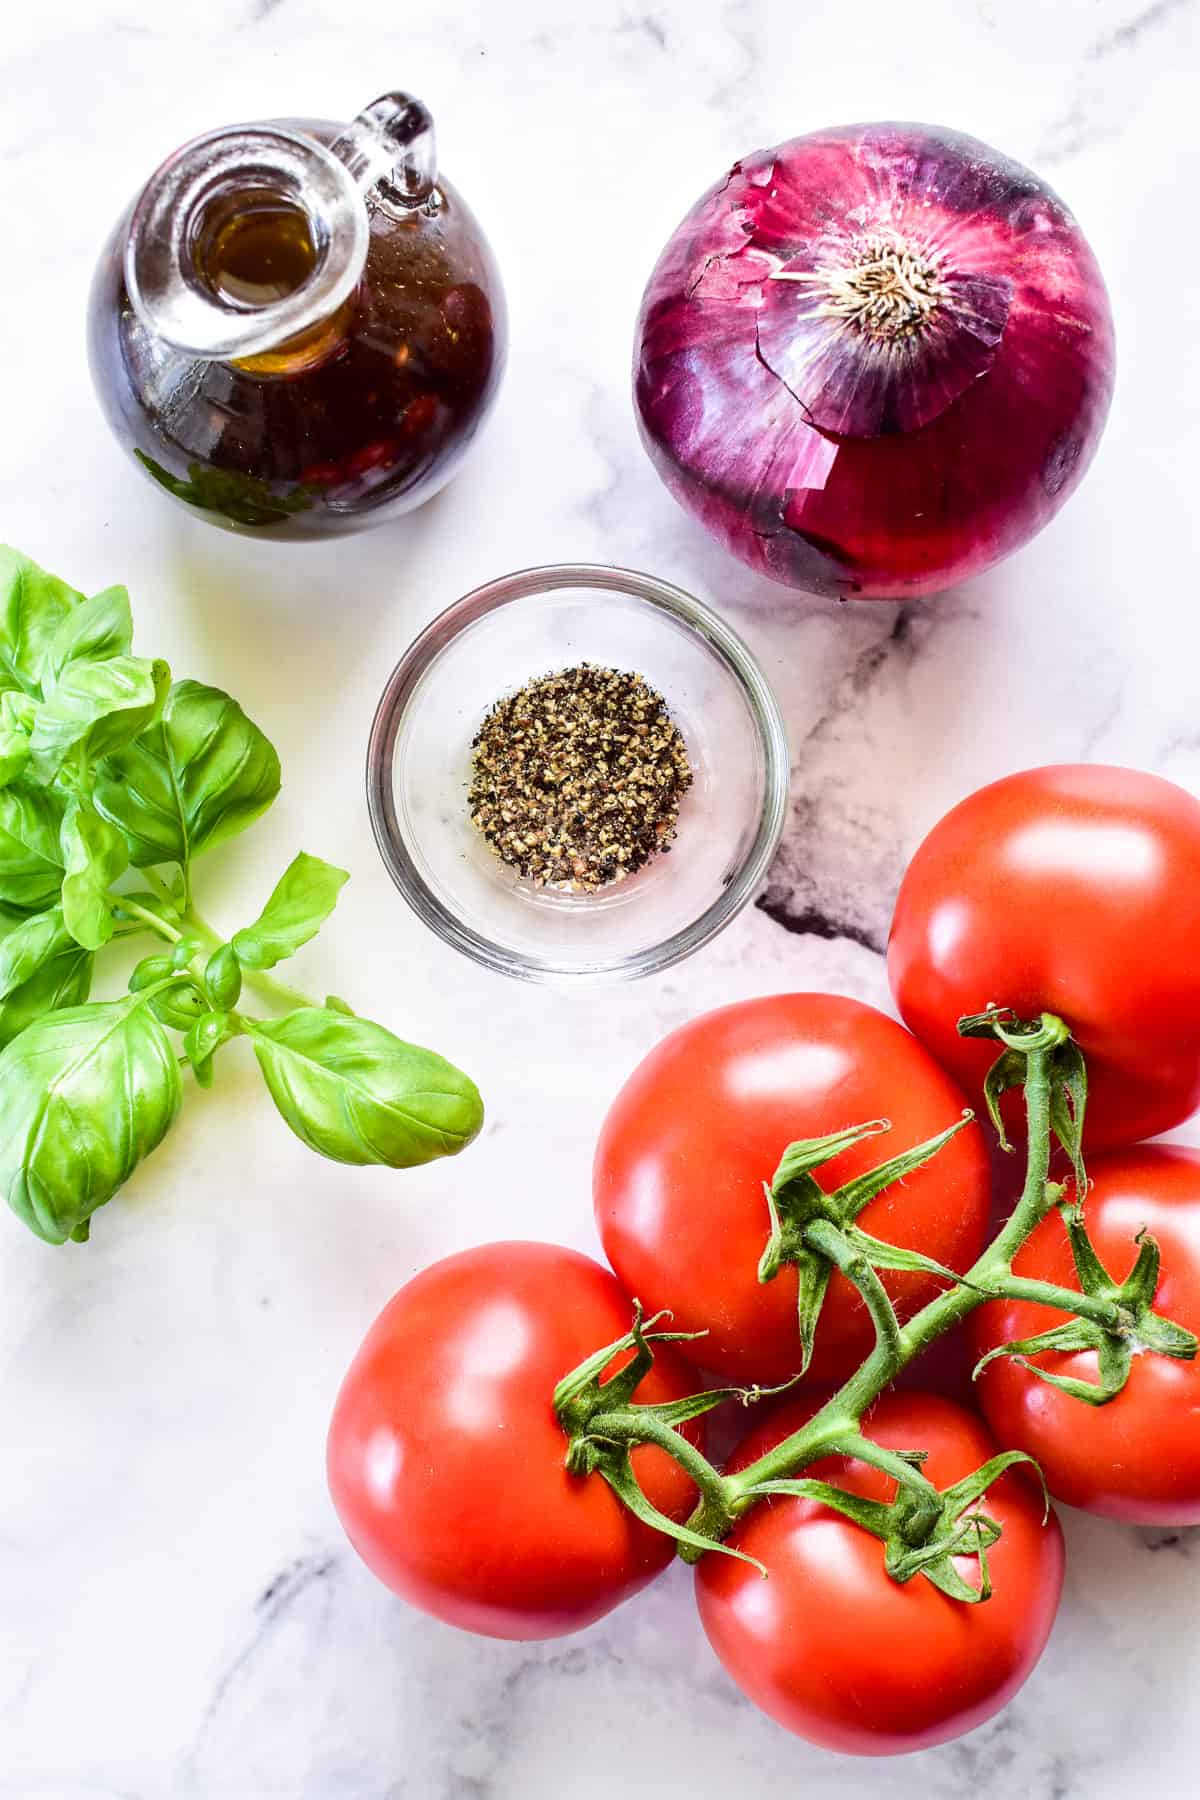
x=112, y=781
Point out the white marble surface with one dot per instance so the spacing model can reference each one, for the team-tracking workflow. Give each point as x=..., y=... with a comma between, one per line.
x=180, y=1618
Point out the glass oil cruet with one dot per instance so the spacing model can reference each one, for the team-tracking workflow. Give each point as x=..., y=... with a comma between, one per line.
x=297, y=328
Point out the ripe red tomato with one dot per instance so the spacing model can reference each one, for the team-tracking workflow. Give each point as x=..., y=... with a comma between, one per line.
x=1073, y=890
x=446, y=1462
x=1137, y=1457
x=700, y=1126
x=834, y=1649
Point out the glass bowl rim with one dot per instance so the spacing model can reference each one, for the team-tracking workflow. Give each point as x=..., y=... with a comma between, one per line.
x=684, y=609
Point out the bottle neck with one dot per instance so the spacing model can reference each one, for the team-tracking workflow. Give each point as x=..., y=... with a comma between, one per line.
x=199, y=264
x=249, y=244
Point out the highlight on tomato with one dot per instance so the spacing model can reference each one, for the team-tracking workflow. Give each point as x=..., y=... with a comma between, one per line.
x=837, y=1650
x=447, y=1464
x=699, y=1130
x=1134, y=1456
x=1074, y=890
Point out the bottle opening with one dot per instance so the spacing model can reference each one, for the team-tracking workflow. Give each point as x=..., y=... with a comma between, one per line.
x=244, y=240
x=252, y=248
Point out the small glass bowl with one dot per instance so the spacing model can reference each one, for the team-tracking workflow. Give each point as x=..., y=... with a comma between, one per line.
x=490, y=644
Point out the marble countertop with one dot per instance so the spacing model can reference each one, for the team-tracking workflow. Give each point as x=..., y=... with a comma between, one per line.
x=180, y=1616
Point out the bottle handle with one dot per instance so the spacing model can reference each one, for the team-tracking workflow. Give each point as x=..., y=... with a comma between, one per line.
x=392, y=144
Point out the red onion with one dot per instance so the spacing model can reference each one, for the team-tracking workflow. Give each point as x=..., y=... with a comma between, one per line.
x=874, y=360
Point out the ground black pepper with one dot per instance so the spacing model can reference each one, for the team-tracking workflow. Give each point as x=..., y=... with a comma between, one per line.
x=576, y=778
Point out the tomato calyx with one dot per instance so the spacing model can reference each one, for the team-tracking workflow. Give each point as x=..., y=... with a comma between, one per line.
x=924, y=1529
x=604, y=1424
x=1065, y=1066
x=1120, y=1322
x=584, y=1394
x=816, y=1233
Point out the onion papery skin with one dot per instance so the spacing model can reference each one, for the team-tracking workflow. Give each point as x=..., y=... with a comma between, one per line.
x=929, y=464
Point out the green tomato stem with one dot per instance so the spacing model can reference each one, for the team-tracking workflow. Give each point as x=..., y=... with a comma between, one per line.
x=891, y=1355
x=1108, y=1313
x=632, y=1425
x=826, y=1237
x=835, y=1428
x=865, y=1449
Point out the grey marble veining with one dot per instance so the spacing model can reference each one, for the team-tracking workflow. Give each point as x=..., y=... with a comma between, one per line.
x=180, y=1617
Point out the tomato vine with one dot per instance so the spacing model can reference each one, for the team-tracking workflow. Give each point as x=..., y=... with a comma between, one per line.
x=924, y=1529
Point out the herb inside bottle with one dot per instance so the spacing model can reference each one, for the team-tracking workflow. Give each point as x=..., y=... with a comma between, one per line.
x=576, y=779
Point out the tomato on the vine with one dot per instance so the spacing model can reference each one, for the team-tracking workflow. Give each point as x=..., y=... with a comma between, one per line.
x=1137, y=1457
x=447, y=1464
x=835, y=1649
x=700, y=1126
x=1074, y=890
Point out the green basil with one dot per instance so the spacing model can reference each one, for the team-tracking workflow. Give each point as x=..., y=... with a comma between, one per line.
x=223, y=978
x=16, y=722
x=85, y=1094
x=179, y=1006
x=31, y=867
x=33, y=605
x=94, y=854
x=149, y=972
x=146, y=902
x=100, y=628
x=201, y=774
x=29, y=943
x=186, y=951
x=303, y=899
x=63, y=980
x=353, y=1092
x=96, y=707
x=205, y=1037
x=41, y=968
x=103, y=763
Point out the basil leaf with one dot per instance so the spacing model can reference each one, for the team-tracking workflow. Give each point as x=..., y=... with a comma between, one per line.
x=179, y=1006
x=41, y=968
x=100, y=628
x=16, y=721
x=205, y=1037
x=63, y=980
x=85, y=1095
x=303, y=899
x=97, y=706
x=353, y=1092
x=33, y=604
x=30, y=859
x=223, y=978
x=186, y=950
x=94, y=854
x=26, y=945
x=201, y=774
x=150, y=971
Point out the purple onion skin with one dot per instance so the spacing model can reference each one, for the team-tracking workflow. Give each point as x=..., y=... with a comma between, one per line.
x=900, y=512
